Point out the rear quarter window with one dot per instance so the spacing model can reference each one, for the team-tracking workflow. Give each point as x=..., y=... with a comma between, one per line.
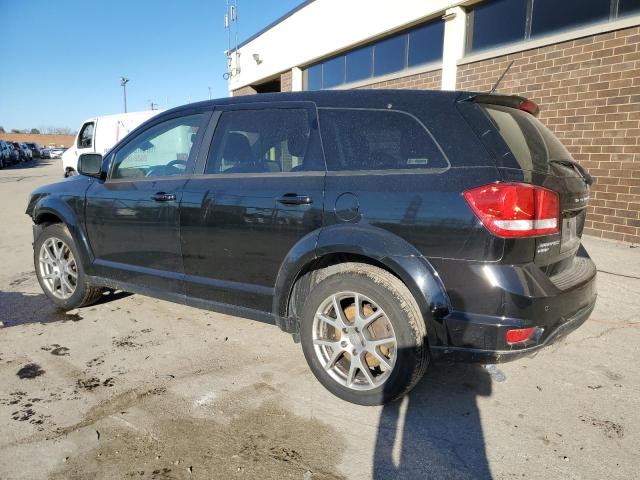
x=368, y=139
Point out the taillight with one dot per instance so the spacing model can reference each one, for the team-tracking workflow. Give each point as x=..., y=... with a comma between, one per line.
x=515, y=209
x=530, y=107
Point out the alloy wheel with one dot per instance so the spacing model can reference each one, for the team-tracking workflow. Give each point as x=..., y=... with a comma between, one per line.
x=58, y=268
x=354, y=341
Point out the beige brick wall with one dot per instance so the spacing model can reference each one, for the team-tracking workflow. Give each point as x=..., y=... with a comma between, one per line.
x=419, y=81
x=589, y=94
x=285, y=81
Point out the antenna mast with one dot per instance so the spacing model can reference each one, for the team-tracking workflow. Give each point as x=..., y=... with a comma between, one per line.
x=231, y=22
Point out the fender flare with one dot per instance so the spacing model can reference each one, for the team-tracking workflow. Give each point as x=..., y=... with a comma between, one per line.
x=383, y=247
x=51, y=205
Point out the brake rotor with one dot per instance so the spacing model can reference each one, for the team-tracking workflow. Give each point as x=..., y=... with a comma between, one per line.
x=376, y=329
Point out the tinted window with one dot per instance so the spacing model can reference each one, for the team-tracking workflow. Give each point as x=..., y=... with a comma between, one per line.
x=359, y=64
x=627, y=7
x=389, y=55
x=376, y=140
x=159, y=151
x=262, y=141
x=553, y=15
x=333, y=72
x=498, y=22
x=85, y=139
x=532, y=144
x=314, y=77
x=425, y=43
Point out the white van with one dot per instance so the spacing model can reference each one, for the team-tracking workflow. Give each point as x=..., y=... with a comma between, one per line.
x=99, y=134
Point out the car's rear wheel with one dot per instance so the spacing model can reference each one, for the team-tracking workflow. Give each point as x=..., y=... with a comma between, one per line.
x=362, y=334
x=59, y=270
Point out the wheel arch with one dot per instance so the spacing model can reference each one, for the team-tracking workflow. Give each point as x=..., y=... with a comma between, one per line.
x=370, y=245
x=49, y=210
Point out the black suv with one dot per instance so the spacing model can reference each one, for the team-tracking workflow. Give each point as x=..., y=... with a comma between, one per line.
x=380, y=228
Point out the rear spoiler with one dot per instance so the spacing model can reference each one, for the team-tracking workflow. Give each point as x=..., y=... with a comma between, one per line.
x=513, y=101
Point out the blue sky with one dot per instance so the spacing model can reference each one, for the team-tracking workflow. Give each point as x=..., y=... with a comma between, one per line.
x=66, y=56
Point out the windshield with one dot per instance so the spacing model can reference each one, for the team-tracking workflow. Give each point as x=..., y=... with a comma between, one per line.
x=533, y=145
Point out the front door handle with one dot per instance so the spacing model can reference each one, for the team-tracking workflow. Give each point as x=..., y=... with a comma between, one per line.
x=163, y=197
x=295, y=199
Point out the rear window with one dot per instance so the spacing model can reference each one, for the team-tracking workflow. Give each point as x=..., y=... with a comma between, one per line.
x=364, y=139
x=532, y=144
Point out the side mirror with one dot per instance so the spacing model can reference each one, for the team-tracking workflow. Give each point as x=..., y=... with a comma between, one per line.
x=90, y=164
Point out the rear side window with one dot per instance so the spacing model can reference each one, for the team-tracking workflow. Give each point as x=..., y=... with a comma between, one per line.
x=263, y=141
x=532, y=144
x=364, y=139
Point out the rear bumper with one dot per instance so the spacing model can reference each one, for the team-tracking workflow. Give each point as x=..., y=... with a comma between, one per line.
x=467, y=354
x=487, y=300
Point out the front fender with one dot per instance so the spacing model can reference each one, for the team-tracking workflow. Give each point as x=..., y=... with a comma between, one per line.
x=382, y=246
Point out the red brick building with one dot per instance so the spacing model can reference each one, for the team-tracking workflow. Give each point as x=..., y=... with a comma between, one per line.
x=579, y=60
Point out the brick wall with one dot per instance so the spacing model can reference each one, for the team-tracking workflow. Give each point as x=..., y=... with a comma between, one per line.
x=248, y=90
x=589, y=94
x=41, y=139
x=285, y=81
x=422, y=81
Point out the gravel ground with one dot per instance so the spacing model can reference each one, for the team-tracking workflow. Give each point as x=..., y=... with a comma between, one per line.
x=140, y=388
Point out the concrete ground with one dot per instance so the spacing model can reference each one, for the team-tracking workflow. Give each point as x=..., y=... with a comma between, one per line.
x=140, y=388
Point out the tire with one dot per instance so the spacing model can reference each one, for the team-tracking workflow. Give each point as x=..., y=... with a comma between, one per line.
x=82, y=294
x=407, y=358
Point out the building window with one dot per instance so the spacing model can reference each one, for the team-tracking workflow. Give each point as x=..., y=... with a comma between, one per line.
x=333, y=72
x=389, y=55
x=314, y=77
x=552, y=16
x=425, y=44
x=628, y=7
x=359, y=64
x=497, y=22
x=417, y=46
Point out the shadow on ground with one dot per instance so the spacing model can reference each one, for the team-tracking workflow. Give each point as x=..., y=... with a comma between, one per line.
x=435, y=432
x=19, y=308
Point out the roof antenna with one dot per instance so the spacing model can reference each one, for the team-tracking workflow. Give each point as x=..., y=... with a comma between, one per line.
x=495, y=87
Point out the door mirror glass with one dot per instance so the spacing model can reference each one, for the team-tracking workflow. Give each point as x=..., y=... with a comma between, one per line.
x=90, y=164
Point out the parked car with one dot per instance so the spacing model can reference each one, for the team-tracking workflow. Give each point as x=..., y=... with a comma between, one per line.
x=5, y=154
x=382, y=229
x=36, y=149
x=28, y=152
x=14, y=153
x=56, y=152
x=99, y=134
x=46, y=153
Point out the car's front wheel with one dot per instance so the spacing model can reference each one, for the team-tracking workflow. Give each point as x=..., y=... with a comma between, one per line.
x=60, y=273
x=362, y=334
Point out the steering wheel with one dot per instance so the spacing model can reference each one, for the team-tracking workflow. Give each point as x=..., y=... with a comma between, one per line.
x=163, y=169
x=173, y=163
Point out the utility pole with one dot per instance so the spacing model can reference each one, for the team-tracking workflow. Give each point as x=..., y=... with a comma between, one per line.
x=209, y=93
x=123, y=84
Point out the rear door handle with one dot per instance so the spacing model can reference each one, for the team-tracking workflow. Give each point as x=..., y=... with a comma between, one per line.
x=295, y=199
x=163, y=197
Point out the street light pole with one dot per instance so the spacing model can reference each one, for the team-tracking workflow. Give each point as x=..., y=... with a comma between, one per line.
x=123, y=84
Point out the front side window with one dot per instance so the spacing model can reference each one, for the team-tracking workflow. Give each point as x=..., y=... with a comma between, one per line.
x=85, y=139
x=262, y=141
x=162, y=150
x=362, y=139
